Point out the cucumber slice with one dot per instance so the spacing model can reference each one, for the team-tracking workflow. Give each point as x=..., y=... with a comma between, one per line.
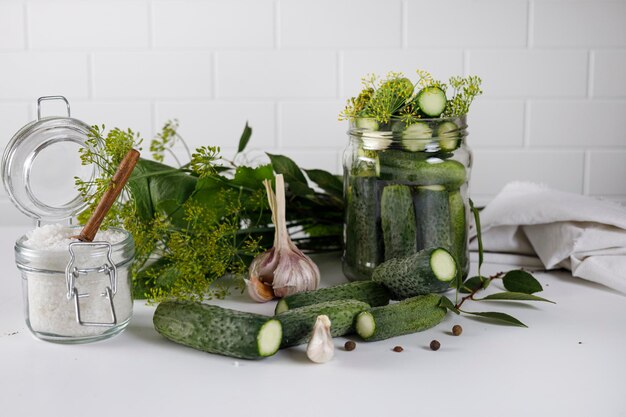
x=298, y=323
x=408, y=316
x=370, y=292
x=429, y=270
x=432, y=214
x=269, y=337
x=366, y=123
x=431, y=101
x=448, y=135
x=398, y=221
x=218, y=330
x=417, y=136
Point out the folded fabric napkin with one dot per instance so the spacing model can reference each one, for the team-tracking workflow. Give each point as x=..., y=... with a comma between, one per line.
x=564, y=230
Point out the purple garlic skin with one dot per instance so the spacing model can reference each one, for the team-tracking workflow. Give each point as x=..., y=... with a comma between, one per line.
x=295, y=273
x=284, y=266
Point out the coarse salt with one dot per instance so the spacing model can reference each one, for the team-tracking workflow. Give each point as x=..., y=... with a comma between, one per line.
x=51, y=313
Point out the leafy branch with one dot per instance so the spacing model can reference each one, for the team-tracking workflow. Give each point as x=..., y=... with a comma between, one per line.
x=519, y=284
x=207, y=218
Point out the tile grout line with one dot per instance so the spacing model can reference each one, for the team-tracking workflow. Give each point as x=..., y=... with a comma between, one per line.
x=526, y=126
x=90, y=76
x=214, y=78
x=591, y=67
x=25, y=21
x=404, y=25
x=340, y=85
x=277, y=127
x=586, y=171
x=277, y=25
x=150, y=25
x=530, y=23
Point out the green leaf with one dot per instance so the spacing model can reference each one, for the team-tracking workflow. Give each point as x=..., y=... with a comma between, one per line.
x=513, y=296
x=497, y=316
x=478, y=234
x=446, y=303
x=471, y=284
x=521, y=281
x=252, y=178
x=245, y=138
x=326, y=181
x=293, y=175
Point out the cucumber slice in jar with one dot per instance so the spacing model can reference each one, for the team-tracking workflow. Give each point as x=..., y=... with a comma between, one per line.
x=372, y=137
x=416, y=137
x=448, y=134
x=431, y=101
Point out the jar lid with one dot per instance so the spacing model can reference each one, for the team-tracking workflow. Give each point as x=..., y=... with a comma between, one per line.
x=40, y=165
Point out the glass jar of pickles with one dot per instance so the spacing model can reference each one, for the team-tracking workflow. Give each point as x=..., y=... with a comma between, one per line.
x=406, y=190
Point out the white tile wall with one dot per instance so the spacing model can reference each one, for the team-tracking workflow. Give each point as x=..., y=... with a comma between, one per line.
x=608, y=75
x=579, y=23
x=355, y=64
x=531, y=73
x=340, y=23
x=607, y=173
x=216, y=24
x=276, y=74
x=462, y=23
x=27, y=75
x=554, y=74
x=11, y=26
x=152, y=75
x=561, y=169
x=221, y=123
x=71, y=24
x=577, y=123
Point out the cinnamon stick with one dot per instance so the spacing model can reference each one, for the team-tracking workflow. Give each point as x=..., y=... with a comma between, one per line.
x=108, y=198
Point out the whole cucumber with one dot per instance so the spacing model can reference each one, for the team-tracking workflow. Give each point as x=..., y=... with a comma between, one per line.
x=298, y=323
x=370, y=292
x=408, y=316
x=218, y=330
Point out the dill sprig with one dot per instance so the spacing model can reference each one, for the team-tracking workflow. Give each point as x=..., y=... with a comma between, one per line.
x=393, y=97
x=200, y=222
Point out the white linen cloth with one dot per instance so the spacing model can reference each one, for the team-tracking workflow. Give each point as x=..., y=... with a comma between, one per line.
x=564, y=230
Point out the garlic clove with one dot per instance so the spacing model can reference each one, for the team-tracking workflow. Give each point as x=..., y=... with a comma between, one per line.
x=259, y=291
x=264, y=265
x=321, y=348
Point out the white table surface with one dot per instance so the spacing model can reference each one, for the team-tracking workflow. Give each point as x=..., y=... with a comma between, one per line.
x=571, y=361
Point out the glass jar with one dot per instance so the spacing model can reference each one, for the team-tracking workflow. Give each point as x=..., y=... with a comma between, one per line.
x=77, y=294
x=406, y=189
x=73, y=292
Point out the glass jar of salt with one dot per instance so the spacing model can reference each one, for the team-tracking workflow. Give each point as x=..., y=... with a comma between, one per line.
x=74, y=291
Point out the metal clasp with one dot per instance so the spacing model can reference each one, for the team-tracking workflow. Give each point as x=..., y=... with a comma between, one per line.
x=45, y=98
x=72, y=273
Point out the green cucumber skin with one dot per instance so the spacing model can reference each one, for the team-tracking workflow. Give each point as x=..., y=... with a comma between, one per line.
x=210, y=328
x=397, y=217
x=363, y=240
x=420, y=171
x=298, y=323
x=458, y=231
x=410, y=276
x=370, y=292
x=432, y=214
x=408, y=316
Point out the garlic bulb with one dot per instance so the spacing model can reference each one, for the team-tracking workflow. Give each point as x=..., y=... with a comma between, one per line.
x=258, y=290
x=284, y=267
x=321, y=348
